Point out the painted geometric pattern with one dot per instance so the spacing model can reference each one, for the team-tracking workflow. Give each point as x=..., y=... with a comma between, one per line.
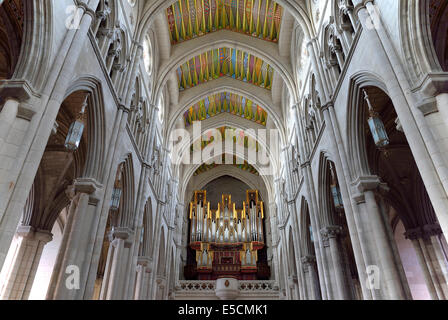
x=238, y=136
x=244, y=166
x=188, y=19
x=217, y=63
x=225, y=102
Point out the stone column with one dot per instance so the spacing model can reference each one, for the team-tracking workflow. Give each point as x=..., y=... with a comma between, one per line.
x=392, y=286
x=332, y=233
x=160, y=288
x=312, y=281
x=360, y=245
x=142, y=282
x=77, y=243
x=431, y=258
x=29, y=151
x=15, y=117
x=293, y=283
x=429, y=156
x=312, y=203
x=113, y=287
x=27, y=254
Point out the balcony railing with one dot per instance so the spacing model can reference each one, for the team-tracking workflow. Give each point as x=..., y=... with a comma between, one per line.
x=196, y=286
x=257, y=286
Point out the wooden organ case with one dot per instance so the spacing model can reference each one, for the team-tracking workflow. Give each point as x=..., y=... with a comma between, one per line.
x=227, y=242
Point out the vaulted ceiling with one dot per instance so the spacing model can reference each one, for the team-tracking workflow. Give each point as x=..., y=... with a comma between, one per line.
x=245, y=166
x=225, y=62
x=225, y=102
x=188, y=19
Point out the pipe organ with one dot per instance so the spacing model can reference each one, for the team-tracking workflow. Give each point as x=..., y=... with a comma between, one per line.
x=226, y=241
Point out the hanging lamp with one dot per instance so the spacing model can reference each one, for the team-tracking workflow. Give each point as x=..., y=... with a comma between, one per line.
x=335, y=192
x=115, y=200
x=76, y=129
x=376, y=125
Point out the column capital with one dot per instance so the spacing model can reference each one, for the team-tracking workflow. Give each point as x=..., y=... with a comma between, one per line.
x=307, y=260
x=432, y=230
x=428, y=106
x=120, y=233
x=31, y=233
x=413, y=234
x=425, y=232
x=327, y=106
x=145, y=262
x=19, y=90
x=433, y=84
x=369, y=183
x=161, y=280
x=86, y=185
x=331, y=232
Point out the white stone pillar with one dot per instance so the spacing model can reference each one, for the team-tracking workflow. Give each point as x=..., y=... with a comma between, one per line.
x=114, y=284
x=311, y=277
x=429, y=156
x=21, y=274
x=32, y=146
x=432, y=259
x=79, y=238
x=392, y=286
x=332, y=233
x=8, y=114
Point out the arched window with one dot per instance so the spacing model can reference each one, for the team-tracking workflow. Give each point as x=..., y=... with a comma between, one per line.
x=161, y=106
x=147, y=55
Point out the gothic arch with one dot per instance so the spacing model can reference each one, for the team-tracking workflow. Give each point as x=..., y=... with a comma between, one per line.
x=161, y=265
x=417, y=39
x=126, y=216
x=325, y=216
x=95, y=126
x=35, y=32
x=194, y=49
x=146, y=247
x=304, y=229
x=356, y=149
x=257, y=95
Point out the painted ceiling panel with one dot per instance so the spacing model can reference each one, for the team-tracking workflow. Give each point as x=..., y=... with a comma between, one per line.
x=225, y=62
x=245, y=166
x=188, y=19
x=239, y=138
x=225, y=102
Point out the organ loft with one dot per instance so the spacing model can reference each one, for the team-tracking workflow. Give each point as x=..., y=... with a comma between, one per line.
x=227, y=240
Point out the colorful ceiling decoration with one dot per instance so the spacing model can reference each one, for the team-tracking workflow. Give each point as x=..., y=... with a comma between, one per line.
x=225, y=102
x=239, y=138
x=189, y=19
x=225, y=62
x=245, y=166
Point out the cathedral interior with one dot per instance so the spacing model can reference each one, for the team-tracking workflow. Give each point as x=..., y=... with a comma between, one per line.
x=223, y=149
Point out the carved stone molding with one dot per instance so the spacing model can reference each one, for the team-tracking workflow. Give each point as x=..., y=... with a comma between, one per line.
x=331, y=232
x=16, y=89
x=121, y=233
x=30, y=233
x=370, y=183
